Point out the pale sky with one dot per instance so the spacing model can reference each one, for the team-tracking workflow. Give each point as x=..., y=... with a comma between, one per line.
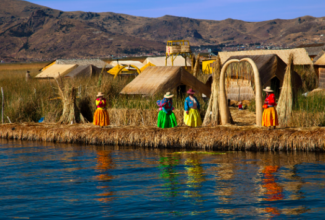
x=247, y=10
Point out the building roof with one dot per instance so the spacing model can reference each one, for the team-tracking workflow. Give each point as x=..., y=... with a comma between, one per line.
x=81, y=71
x=161, y=61
x=160, y=79
x=319, y=55
x=269, y=66
x=128, y=63
x=320, y=59
x=314, y=51
x=54, y=70
x=95, y=62
x=301, y=56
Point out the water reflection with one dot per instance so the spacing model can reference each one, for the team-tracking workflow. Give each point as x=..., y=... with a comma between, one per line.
x=272, y=190
x=115, y=182
x=104, y=164
x=195, y=177
x=167, y=166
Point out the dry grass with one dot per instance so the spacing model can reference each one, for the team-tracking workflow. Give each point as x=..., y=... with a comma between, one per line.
x=29, y=101
x=22, y=104
x=226, y=138
x=22, y=66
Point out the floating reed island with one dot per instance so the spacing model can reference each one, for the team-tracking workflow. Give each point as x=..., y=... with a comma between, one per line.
x=221, y=138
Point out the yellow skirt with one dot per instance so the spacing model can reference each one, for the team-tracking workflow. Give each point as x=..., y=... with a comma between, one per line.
x=270, y=117
x=101, y=117
x=193, y=118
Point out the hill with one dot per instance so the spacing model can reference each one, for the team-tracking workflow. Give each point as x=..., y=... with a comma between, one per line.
x=30, y=31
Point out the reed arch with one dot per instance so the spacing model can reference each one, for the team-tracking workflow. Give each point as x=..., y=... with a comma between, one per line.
x=224, y=109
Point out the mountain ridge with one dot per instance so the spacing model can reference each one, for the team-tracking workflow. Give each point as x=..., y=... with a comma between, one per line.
x=31, y=31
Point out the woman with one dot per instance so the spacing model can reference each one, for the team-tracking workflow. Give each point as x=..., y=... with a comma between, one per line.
x=166, y=117
x=270, y=117
x=192, y=116
x=101, y=116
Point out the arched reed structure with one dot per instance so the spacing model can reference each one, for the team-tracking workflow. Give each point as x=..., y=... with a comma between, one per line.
x=224, y=109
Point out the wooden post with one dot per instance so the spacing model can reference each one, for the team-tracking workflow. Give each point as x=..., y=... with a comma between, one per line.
x=3, y=105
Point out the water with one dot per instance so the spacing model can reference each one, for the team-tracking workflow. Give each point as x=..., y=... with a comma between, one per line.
x=51, y=181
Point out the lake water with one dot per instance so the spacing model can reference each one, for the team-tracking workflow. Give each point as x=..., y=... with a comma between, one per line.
x=57, y=181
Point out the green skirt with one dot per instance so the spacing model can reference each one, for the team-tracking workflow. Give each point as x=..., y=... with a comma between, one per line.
x=166, y=120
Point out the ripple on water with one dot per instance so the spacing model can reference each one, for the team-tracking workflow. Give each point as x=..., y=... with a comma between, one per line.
x=74, y=182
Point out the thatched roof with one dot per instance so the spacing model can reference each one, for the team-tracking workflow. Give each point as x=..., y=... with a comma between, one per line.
x=156, y=79
x=54, y=70
x=313, y=49
x=127, y=63
x=320, y=59
x=301, y=56
x=81, y=71
x=320, y=54
x=269, y=66
x=161, y=61
x=95, y=62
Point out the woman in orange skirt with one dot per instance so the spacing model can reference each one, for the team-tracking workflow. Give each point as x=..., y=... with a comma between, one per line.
x=101, y=117
x=270, y=116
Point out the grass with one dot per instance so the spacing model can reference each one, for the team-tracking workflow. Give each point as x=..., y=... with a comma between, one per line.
x=29, y=101
x=308, y=111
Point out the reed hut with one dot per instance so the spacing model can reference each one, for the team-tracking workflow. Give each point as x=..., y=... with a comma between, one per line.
x=53, y=71
x=97, y=63
x=160, y=79
x=301, y=56
x=138, y=64
x=83, y=71
x=240, y=80
x=161, y=61
x=313, y=49
x=319, y=65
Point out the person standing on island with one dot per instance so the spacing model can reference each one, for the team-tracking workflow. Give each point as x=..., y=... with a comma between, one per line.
x=101, y=116
x=192, y=116
x=270, y=116
x=166, y=116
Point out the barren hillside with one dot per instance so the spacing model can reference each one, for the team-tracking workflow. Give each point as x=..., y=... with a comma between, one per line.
x=35, y=32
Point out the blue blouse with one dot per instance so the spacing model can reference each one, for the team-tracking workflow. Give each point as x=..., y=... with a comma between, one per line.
x=166, y=104
x=189, y=103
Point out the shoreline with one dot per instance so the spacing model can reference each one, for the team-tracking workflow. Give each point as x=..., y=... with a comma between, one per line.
x=221, y=138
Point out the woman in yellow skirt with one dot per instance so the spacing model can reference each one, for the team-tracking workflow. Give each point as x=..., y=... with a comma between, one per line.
x=192, y=116
x=270, y=116
x=101, y=116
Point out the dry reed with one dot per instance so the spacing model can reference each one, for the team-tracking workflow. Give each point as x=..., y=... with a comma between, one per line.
x=212, y=115
x=285, y=103
x=225, y=138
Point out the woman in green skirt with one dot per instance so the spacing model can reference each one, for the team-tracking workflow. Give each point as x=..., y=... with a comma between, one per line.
x=166, y=117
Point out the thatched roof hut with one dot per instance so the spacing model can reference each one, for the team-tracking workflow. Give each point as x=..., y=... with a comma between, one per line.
x=271, y=69
x=313, y=49
x=301, y=56
x=127, y=63
x=98, y=63
x=160, y=79
x=161, y=61
x=83, y=71
x=54, y=70
x=319, y=65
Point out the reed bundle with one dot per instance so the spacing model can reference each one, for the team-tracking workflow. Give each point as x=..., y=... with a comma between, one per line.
x=196, y=66
x=212, y=115
x=285, y=103
x=223, y=138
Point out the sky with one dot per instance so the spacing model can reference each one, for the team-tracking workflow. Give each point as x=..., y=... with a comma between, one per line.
x=247, y=10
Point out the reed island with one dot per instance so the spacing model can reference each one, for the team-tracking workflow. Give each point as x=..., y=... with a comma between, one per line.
x=226, y=109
